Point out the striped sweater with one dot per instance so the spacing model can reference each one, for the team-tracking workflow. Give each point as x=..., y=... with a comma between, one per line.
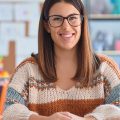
x=29, y=94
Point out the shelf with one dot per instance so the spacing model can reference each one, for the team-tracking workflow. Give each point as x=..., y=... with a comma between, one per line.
x=104, y=17
x=22, y=1
x=110, y=52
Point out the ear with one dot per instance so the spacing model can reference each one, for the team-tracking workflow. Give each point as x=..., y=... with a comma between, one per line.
x=47, y=27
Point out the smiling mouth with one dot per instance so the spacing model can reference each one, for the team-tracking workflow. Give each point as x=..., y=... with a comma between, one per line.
x=67, y=35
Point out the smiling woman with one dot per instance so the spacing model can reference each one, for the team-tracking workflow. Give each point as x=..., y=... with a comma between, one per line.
x=66, y=80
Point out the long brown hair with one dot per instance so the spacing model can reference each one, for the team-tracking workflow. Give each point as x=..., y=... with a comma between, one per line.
x=87, y=62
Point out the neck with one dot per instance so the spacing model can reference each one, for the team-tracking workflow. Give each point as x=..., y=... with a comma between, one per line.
x=65, y=55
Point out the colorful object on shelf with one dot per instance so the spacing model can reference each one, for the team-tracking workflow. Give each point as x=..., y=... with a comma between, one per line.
x=1, y=63
x=100, y=7
x=3, y=73
x=117, y=45
x=3, y=92
x=116, y=6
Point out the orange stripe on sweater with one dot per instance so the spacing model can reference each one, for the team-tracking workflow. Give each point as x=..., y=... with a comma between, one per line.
x=78, y=107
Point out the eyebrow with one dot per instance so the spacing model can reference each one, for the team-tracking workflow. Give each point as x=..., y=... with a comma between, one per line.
x=64, y=16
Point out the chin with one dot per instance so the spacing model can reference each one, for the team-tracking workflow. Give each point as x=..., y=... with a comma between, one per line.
x=69, y=48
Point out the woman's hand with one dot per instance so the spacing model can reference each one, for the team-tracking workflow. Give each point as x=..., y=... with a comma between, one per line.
x=117, y=117
x=37, y=117
x=55, y=116
x=75, y=117
x=59, y=116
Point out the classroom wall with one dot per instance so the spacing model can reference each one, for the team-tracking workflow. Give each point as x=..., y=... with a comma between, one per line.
x=19, y=21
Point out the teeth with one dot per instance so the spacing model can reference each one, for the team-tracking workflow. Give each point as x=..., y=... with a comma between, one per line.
x=66, y=35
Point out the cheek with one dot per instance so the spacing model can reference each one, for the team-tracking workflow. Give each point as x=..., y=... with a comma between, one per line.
x=54, y=33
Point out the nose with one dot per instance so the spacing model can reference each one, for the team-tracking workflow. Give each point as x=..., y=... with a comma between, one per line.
x=65, y=24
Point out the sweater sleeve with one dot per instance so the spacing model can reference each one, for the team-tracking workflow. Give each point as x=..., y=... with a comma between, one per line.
x=111, y=109
x=17, y=96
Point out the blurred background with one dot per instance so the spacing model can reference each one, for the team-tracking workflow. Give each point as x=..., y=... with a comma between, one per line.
x=19, y=29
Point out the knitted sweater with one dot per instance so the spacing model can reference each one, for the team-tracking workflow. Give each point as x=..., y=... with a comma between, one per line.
x=29, y=94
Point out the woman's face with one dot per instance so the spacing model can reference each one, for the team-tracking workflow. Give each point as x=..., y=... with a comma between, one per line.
x=65, y=36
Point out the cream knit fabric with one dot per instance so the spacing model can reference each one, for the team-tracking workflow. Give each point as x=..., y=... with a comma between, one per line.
x=28, y=92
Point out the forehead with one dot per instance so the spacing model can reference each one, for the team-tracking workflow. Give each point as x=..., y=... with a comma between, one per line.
x=63, y=8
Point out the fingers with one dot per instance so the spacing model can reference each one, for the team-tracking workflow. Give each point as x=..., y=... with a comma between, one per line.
x=64, y=116
x=113, y=118
x=72, y=116
x=59, y=116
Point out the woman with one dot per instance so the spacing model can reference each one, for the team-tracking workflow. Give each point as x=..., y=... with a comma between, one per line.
x=65, y=80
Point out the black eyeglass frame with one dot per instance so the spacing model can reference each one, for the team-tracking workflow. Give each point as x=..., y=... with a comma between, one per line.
x=81, y=16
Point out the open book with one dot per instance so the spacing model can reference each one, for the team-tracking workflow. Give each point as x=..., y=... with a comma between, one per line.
x=3, y=91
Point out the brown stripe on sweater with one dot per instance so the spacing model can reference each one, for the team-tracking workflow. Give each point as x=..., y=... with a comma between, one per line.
x=78, y=107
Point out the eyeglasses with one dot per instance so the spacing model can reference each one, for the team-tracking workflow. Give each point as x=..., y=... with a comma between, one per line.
x=73, y=19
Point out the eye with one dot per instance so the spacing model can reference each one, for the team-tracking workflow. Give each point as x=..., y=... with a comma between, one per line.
x=57, y=19
x=73, y=17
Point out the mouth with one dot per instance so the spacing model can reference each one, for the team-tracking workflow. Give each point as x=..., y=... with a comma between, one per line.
x=66, y=36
